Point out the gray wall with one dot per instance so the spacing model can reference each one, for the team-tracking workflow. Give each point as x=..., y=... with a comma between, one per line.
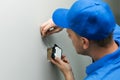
x=22, y=51
x=115, y=5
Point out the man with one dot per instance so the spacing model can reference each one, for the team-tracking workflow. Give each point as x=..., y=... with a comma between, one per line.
x=91, y=27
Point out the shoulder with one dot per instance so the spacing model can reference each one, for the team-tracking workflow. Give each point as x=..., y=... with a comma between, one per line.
x=106, y=73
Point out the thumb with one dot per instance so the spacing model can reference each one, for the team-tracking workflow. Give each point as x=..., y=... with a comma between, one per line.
x=58, y=60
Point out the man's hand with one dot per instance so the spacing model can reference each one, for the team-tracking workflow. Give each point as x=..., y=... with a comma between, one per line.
x=64, y=65
x=48, y=28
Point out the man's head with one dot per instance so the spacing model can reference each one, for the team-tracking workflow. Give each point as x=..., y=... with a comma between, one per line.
x=89, y=19
x=81, y=44
x=84, y=46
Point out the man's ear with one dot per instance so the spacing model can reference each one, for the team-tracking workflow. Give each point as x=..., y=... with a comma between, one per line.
x=85, y=42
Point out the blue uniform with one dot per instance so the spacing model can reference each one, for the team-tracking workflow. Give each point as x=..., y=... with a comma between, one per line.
x=108, y=67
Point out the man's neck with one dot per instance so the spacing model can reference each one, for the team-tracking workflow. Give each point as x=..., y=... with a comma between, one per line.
x=99, y=52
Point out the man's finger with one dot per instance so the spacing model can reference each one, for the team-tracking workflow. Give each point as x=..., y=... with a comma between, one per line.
x=44, y=24
x=57, y=59
x=54, y=31
x=55, y=62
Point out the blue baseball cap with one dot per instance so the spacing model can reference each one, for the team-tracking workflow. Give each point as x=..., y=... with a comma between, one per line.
x=92, y=19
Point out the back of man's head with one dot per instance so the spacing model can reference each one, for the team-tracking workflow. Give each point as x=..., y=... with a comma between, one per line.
x=92, y=19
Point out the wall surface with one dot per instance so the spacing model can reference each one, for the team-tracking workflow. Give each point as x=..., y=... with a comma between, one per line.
x=22, y=51
x=115, y=4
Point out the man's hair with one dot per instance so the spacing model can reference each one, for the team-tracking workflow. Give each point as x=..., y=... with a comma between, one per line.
x=104, y=42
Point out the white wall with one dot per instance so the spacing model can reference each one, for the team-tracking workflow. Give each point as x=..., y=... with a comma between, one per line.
x=22, y=51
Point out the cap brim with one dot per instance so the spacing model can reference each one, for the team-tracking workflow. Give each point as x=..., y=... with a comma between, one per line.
x=60, y=17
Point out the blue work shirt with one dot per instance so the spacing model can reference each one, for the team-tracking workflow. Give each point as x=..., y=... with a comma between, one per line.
x=108, y=67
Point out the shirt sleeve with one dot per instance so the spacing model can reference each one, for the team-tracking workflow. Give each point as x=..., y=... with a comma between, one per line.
x=116, y=34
